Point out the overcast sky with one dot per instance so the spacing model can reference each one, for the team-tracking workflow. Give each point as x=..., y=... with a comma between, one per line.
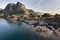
x=51, y=6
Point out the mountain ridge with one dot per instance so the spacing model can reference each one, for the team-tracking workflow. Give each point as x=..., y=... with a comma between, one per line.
x=15, y=8
x=18, y=8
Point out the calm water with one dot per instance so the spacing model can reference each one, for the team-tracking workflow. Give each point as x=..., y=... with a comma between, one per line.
x=10, y=31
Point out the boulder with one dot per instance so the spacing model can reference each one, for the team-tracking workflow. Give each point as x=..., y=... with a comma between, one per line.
x=57, y=33
x=43, y=31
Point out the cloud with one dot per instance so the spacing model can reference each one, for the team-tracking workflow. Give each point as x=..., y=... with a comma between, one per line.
x=52, y=6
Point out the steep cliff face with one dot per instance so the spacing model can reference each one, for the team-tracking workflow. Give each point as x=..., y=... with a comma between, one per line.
x=21, y=8
x=9, y=7
x=15, y=8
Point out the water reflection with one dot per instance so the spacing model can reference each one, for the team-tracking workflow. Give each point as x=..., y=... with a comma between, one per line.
x=10, y=31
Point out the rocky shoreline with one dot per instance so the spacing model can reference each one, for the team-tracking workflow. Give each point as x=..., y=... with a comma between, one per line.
x=45, y=25
x=42, y=28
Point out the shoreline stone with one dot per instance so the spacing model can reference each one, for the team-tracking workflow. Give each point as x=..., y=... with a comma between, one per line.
x=43, y=31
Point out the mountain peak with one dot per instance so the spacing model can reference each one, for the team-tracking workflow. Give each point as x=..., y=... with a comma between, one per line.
x=19, y=3
x=11, y=3
x=16, y=8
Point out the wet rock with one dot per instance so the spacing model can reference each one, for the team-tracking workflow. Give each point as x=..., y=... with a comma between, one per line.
x=57, y=33
x=12, y=18
x=43, y=31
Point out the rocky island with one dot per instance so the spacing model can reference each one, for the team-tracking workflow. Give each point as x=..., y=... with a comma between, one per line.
x=46, y=25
